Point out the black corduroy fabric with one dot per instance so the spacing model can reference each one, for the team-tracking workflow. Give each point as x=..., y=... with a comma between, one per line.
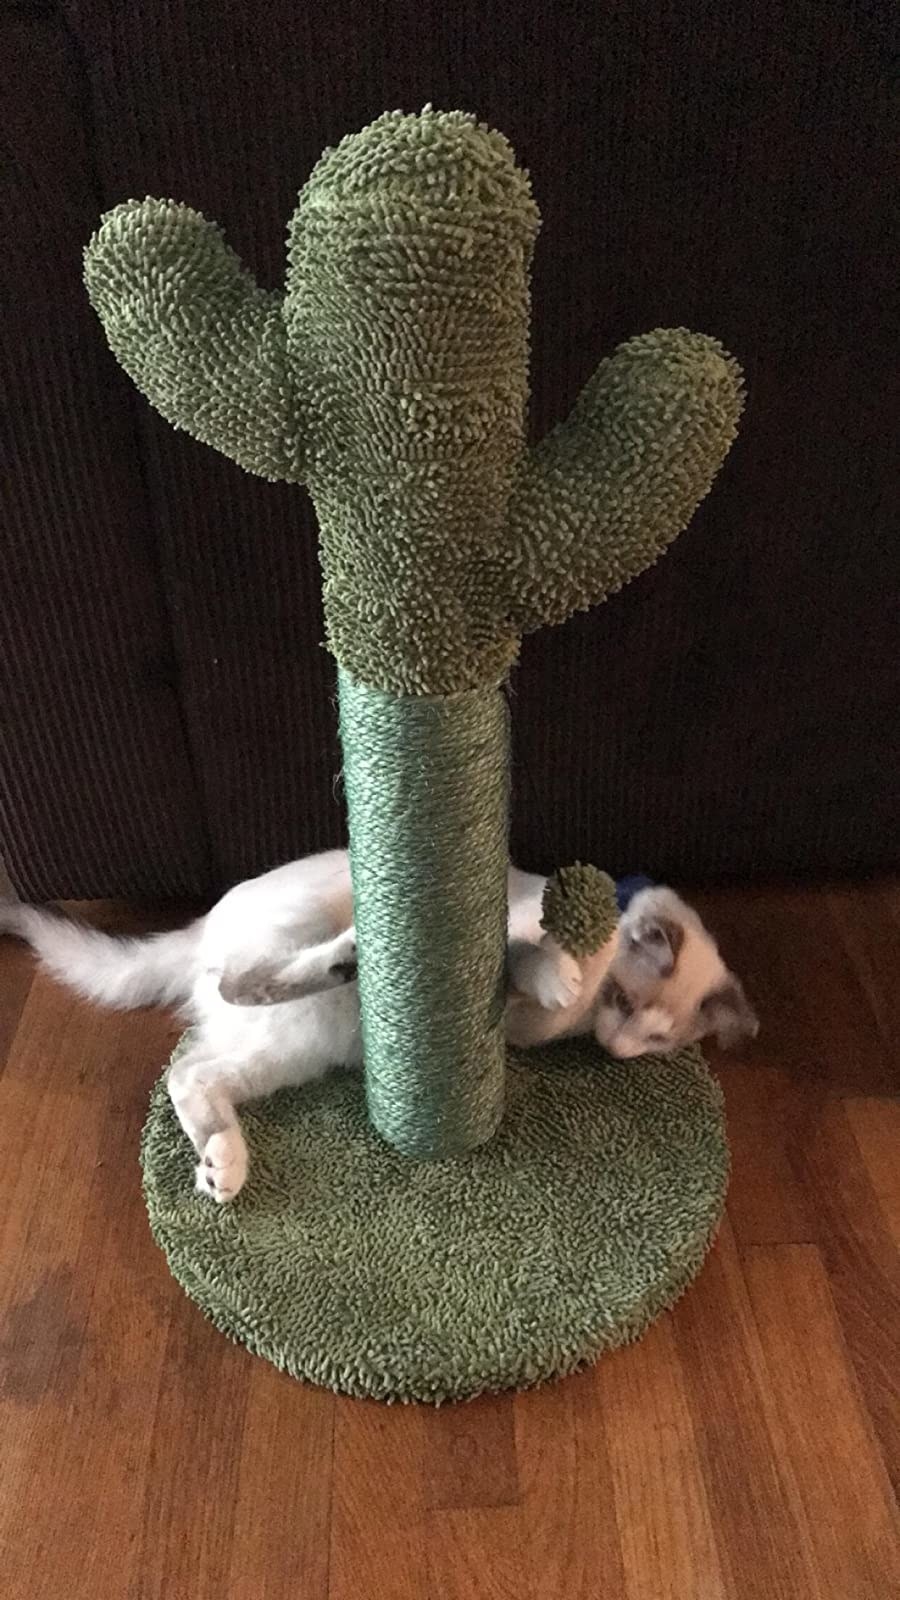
x=165, y=706
x=97, y=790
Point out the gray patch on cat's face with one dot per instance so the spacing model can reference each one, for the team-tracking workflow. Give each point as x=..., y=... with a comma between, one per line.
x=728, y=1014
x=646, y=1004
x=635, y=1016
x=631, y=1018
x=655, y=942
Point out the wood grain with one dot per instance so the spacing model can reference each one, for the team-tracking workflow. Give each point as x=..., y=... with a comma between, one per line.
x=470, y=1455
x=662, y=1510
x=279, y=1547
x=821, y=1425
x=863, y=1268
x=378, y=1534
x=18, y=971
x=876, y=1129
x=762, y=1534
x=871, y=940
x=816, y=1013
x=768, y=1111
x=569, y=1523
x=86, y=1315
x=743, y=1450
x=478, y=1552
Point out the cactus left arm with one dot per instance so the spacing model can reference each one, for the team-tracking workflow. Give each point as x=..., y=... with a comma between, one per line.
x=200, y=338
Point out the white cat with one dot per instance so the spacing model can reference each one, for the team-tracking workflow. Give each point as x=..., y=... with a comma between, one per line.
x=267, y=980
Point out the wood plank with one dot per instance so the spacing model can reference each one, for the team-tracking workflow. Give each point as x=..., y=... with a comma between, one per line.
x=863, y=1267
x=103, y=1456
x=889, y=896
x=568, y=1514
x=92, y=1459
x=661, y=1505
x=840, y=1047
x=830, y=996
x=815, y=1016
x=50, y=1131
x=86, y=1335
x=478, y=1552
x=378, y=1532
x=767, y=1111
x=762, y=1534
x=470, y=1455
x=822, y=1428
x=196, y=1434
x=16, y=974
x=871, y=938
x=876, y=1129
x=283, y=1513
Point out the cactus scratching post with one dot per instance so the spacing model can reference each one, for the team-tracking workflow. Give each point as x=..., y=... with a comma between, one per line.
x=391, y=378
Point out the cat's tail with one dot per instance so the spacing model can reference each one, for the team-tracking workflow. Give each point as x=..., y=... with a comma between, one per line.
x=122, y=973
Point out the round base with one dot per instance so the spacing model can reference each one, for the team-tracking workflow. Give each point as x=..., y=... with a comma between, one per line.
x=353, y=1267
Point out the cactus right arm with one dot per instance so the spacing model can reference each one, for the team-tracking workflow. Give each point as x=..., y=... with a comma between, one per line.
x=605, y=493
x=200, y=338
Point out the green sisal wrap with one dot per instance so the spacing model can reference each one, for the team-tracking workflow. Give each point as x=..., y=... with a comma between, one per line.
x=426, y=783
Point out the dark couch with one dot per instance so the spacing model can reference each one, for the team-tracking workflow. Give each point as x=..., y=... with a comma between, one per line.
x=166, y=709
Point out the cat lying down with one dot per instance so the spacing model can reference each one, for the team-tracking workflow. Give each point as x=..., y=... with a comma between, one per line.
x=267, y=981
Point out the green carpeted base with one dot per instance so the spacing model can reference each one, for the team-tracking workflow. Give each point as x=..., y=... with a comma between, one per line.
x=353, y=1267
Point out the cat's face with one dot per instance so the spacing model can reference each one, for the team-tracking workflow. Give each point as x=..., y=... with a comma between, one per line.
x=667, y=985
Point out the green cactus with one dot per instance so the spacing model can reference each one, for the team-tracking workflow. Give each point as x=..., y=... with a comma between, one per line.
x=391, y=378
x=580, y=910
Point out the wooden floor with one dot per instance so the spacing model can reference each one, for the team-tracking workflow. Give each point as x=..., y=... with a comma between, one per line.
x=746, y=1448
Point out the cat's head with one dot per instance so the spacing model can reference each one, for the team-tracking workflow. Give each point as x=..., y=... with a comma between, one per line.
x=667, y=985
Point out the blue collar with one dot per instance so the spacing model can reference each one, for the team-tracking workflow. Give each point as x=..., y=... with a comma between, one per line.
x=627, y=888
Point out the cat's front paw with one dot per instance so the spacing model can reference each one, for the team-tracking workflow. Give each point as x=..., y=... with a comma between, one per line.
x=222, y=1169
x=343, y=965
x=548, y=975
x=558, y=983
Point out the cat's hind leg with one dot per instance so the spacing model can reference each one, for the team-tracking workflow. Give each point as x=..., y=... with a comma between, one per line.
x=205, y=1089
x=277, y=980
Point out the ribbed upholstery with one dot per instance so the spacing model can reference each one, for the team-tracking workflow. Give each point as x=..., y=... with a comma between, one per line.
x=165, y=715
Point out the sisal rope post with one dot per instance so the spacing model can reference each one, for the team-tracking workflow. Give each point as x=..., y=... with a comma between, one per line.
x=427, y=791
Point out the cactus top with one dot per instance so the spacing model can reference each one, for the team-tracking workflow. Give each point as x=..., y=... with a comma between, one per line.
x=391, y=377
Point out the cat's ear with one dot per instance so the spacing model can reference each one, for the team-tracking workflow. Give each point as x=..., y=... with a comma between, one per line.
x=655, y=943
x=728, y=1014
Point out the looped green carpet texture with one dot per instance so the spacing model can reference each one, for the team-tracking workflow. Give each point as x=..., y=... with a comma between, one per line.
x=391, y=377
x=346, y=1264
